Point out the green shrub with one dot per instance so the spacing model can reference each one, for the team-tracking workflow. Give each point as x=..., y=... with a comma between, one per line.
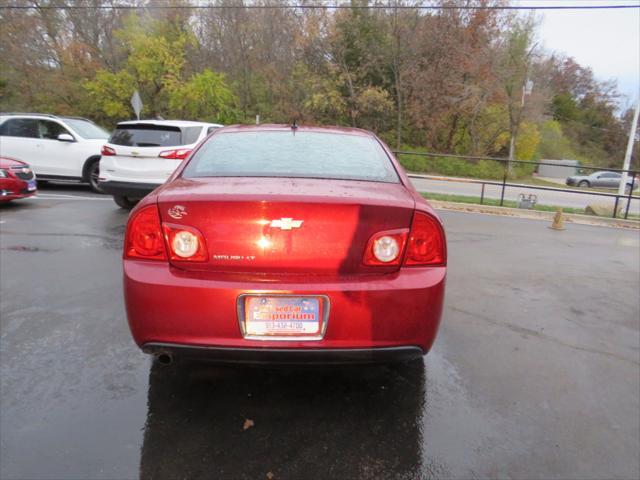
x=461, y=167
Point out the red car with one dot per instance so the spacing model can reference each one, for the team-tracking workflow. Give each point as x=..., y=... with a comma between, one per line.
x=286, y=244
x=17, y=180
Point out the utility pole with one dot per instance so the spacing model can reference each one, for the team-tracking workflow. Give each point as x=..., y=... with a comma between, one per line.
x=527, y=88
x=627, y=156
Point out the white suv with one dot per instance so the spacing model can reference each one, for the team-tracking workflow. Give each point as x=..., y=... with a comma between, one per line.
x=56, y=148
x=140, y=155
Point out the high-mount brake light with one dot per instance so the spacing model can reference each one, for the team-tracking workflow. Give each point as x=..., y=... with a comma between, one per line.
x=185, y=243
x=144, y=235
x=426, y=244
x=177, y=154
x=385, y=248
x=107, y=151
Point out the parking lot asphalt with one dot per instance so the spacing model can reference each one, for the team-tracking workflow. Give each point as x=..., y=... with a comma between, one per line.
x=535, y=373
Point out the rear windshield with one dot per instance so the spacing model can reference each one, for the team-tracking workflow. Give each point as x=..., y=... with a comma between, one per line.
x=190, y=134
x=148, y=135
x=289, y=154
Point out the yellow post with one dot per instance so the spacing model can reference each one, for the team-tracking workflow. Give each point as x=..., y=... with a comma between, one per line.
x=558, y=220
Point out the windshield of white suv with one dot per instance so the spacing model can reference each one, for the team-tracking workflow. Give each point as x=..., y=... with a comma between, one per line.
x=86, y=129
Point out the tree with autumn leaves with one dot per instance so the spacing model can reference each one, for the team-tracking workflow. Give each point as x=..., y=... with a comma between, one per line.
x=155, y=66
x=446, y=80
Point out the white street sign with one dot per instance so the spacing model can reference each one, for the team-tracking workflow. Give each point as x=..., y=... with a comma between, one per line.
x=136, y=103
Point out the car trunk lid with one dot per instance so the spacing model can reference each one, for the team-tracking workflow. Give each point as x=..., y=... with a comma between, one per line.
x=285, y=225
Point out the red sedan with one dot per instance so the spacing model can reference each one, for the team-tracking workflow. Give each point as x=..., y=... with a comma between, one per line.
x=17, y=180
x=286, y=244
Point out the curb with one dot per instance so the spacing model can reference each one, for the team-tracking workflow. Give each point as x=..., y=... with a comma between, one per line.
x=534, y=214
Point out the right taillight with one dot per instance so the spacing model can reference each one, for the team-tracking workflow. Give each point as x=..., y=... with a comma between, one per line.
x=144, y=239
x=107, y=151
x=386, y=248
x=426, y=244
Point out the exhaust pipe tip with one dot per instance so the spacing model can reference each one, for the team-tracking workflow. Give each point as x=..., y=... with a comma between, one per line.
x=165, y=358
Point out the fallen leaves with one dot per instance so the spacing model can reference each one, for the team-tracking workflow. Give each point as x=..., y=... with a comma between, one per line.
x=248, y=423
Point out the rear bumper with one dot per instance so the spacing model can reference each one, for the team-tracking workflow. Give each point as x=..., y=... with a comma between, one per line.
x=275, y=356
x=170, y=308
x=128, y=189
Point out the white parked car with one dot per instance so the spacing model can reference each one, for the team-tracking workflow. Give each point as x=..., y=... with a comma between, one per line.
x=141, y=154
x=56, y=147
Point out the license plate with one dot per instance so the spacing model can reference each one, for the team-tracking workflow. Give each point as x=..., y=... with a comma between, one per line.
x=31, y=186
x=282, y=316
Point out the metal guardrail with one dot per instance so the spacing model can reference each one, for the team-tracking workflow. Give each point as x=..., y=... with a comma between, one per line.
x=504, y=184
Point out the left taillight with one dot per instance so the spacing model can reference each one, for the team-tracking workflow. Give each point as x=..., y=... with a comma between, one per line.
x=177, y=154
x=107, y=151
x=185, y=243
x=144, y=238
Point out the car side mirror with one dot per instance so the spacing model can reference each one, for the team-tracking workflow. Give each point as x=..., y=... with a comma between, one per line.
x=65, y=137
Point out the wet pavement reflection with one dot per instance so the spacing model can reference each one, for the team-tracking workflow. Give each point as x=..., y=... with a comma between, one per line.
x=326, y=422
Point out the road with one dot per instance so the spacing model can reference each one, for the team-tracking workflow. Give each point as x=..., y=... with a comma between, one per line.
x=535, y=373
x=545, y=197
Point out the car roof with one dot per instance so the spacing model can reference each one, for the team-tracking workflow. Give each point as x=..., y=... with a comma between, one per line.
x=171, y=123
x=272, y=127
x=41, y=115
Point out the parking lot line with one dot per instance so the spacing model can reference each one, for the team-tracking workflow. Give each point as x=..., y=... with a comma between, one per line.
x=47, y=196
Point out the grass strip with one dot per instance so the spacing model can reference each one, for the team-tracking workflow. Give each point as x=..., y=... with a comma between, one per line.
x=494, y=202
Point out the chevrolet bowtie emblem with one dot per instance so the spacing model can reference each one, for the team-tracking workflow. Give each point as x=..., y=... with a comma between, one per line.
x=285, y=223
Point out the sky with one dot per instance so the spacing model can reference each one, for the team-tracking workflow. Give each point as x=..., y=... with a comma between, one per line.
x=608, y=41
